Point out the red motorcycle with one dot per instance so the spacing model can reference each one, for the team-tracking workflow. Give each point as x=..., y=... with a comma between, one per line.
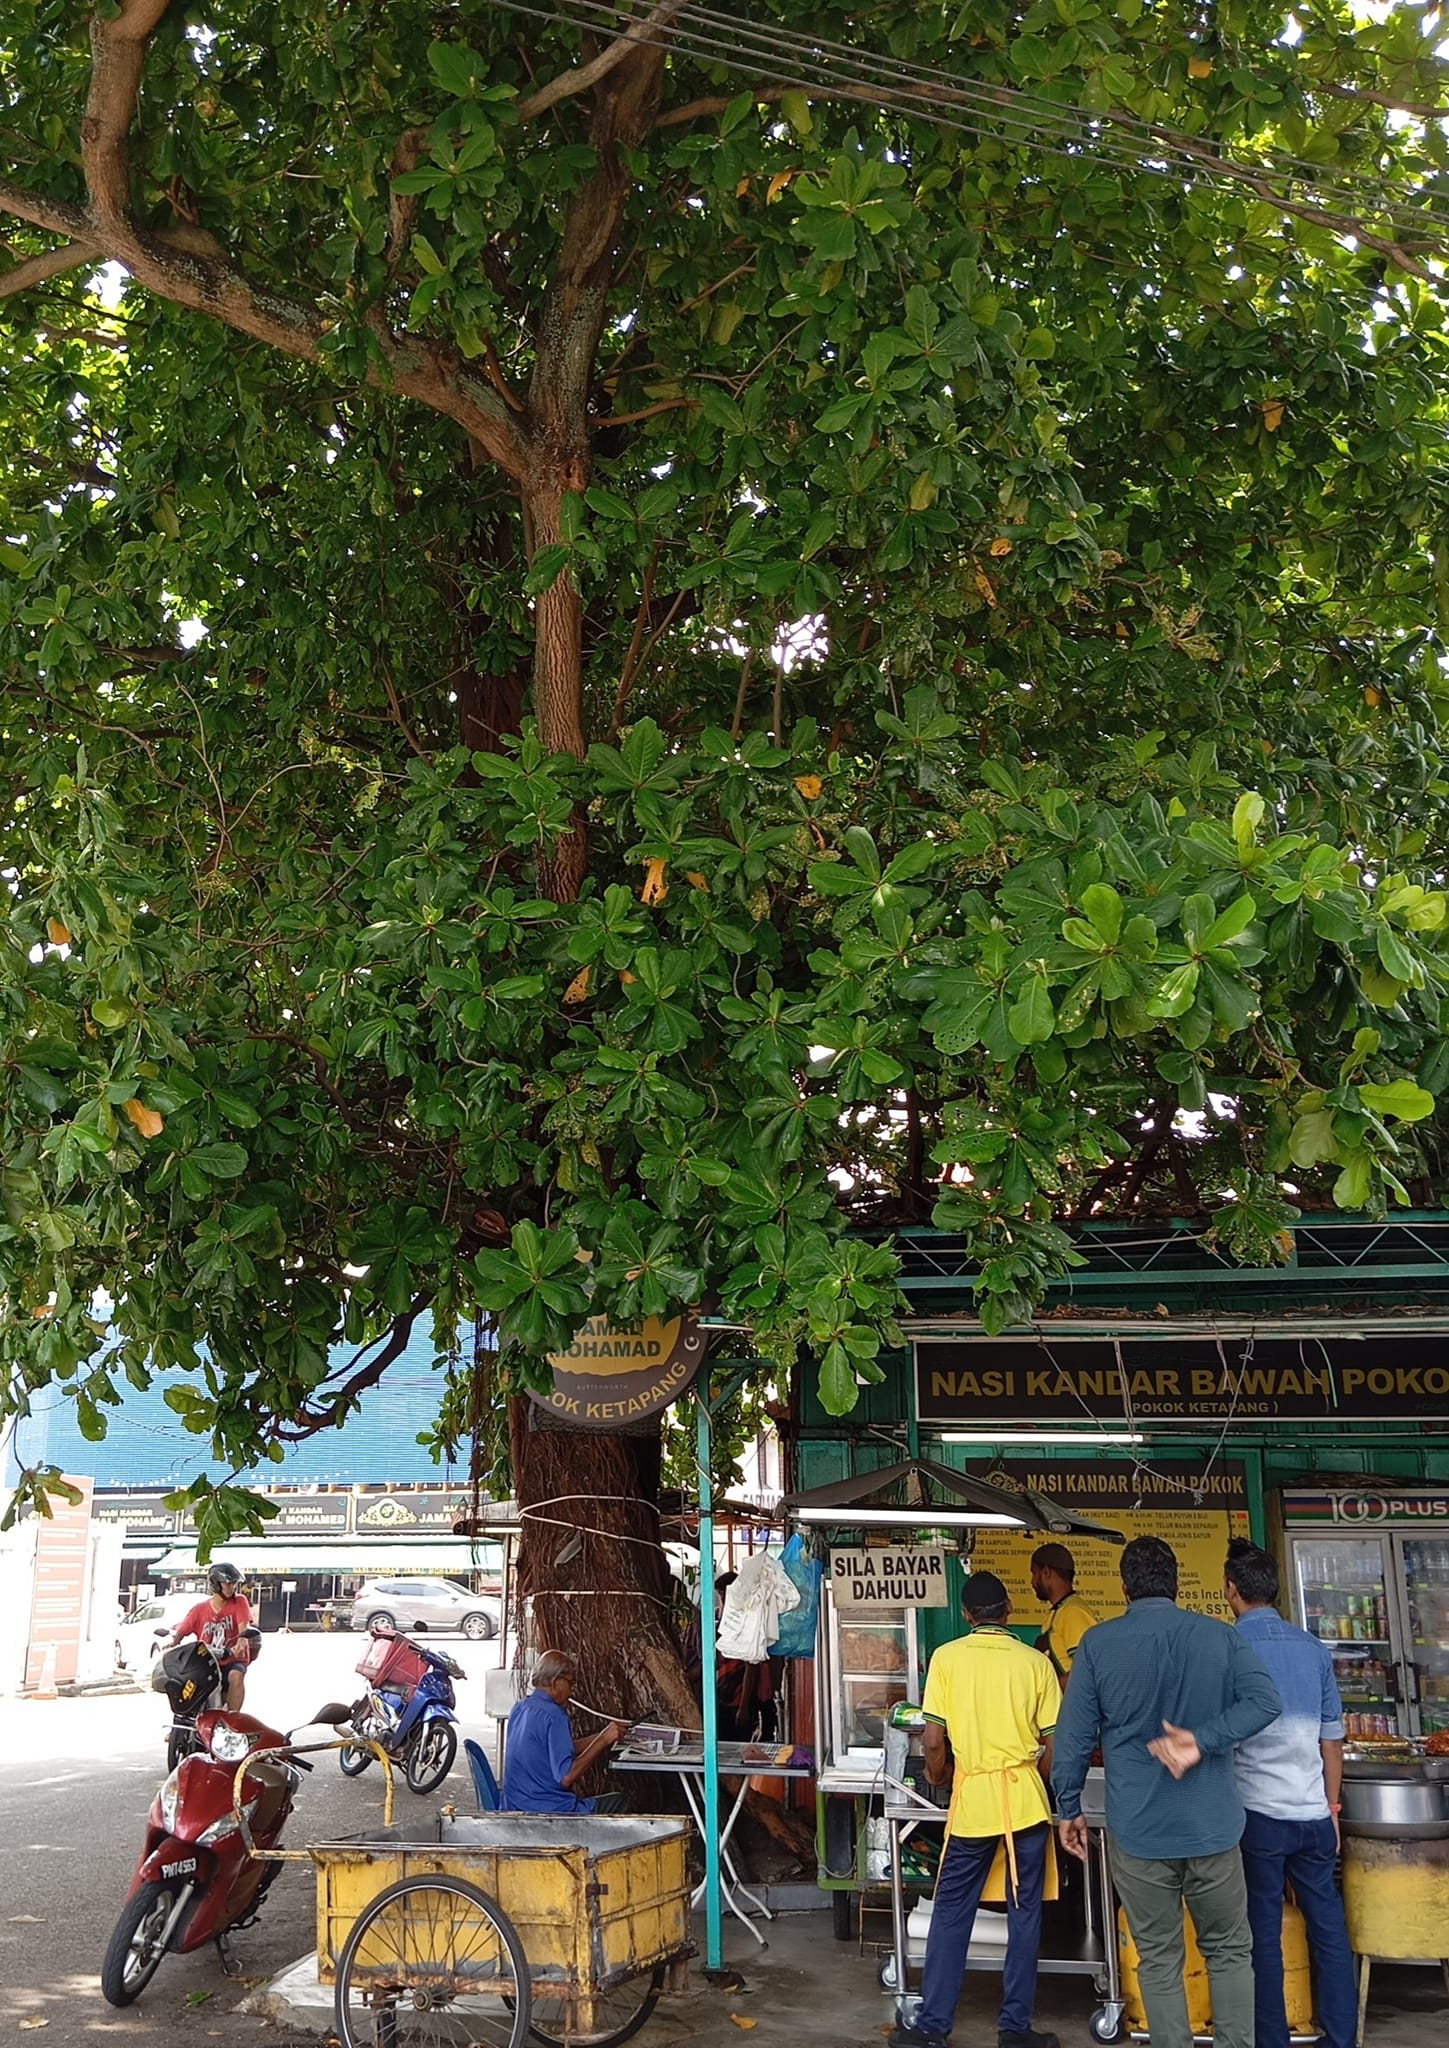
x=196, y=1880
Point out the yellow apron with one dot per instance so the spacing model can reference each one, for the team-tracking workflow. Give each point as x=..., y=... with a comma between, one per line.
x=1004, y=1864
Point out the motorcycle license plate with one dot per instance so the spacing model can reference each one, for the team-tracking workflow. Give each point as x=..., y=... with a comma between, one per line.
x=185, y=1868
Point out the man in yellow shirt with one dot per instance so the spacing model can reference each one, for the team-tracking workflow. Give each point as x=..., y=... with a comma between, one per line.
x=997, y=1702
x=1053, y=1579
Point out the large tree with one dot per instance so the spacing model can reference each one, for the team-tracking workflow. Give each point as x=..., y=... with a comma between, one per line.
x=634, y=653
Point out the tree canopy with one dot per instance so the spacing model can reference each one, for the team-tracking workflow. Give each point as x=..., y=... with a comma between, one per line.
x=632, y=656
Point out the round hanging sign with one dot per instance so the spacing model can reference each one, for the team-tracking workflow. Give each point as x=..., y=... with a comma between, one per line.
x=610, y=1378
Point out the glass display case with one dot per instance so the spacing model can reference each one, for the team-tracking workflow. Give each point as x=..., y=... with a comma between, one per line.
x=1380, y=1603
x=870, y=1658
x=1426, y=1588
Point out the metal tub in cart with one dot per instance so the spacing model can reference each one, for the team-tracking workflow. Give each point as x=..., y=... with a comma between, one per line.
x=481, y=1930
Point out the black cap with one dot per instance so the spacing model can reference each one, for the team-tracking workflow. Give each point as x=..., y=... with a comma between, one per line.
x=1056, y=1558
x=981, y=1592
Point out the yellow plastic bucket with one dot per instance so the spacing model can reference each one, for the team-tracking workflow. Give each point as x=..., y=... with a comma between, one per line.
x=1297, y=1984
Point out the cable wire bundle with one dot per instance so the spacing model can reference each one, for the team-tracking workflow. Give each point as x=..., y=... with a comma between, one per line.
x=1115, y=140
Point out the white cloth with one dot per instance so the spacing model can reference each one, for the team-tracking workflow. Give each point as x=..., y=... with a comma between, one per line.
x=761, y=1593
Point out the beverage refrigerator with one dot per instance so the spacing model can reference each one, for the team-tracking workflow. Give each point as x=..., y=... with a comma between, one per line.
x=1378, y=1597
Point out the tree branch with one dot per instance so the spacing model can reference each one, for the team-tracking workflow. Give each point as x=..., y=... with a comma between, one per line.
x=308, y=1421
x=569, y=84
x=1416, y=109
x=118, y=58
x=764, y=95
x=402, y=207
x=51, y=263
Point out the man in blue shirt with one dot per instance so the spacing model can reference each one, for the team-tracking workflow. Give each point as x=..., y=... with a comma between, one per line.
x=1168, y=1695
x=1288, y=1779
x=541, y=1764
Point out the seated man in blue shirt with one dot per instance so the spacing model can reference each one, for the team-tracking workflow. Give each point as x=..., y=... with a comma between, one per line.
x=542, y=1764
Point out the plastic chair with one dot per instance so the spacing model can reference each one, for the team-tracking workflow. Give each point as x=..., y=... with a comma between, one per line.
x=485, y=1785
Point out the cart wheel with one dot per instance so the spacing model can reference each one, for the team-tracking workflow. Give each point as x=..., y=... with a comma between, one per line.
x=433, y=1963
x=885, y=1976
x=842, y=1915
x=1106, y=2023
x=617, y=2015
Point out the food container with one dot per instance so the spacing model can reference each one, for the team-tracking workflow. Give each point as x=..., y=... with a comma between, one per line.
x=1408, y=1798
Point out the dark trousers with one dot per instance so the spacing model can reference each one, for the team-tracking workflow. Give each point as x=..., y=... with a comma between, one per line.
x=1304, y=1852
x=965, y=1868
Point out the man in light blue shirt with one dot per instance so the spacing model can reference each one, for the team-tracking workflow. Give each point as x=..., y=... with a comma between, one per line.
x=1288, y=1778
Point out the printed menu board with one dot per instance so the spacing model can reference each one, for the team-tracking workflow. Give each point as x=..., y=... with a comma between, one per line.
x=1138, y=1504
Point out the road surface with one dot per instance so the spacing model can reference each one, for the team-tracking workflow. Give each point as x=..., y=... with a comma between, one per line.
x=76, y=1779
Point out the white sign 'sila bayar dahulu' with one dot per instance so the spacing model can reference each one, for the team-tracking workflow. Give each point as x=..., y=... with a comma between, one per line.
x=892, y=1577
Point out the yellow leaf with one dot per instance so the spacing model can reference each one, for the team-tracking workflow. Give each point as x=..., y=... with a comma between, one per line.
x=743, y=187
x=58, y=934
x=738, y=2018
x=696, y=881
x=1372, y=697
x=655, y=887
x=923, y=493
x=1000, y=548
x=149, y=1122
x=1273, y=410
x=44, y=1310
x=777, y=185
x=986, y=587
x=809, y=787
x=1199, y=67
x=33, y=2020
x=1122, y=631
x=578, y=988
x=627, y=978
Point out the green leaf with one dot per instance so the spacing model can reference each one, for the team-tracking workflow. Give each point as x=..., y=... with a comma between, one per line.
x=1032, y=1019
x=1233, y=922
x=796, y=109
x=1247, y=817
x=1102, y=907
x=1351, y=1189
x=1402, y=1099
x=221, y=1161
x=1176, y=992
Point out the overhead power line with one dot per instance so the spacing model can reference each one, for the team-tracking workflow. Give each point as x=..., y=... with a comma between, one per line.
x=1116, y=140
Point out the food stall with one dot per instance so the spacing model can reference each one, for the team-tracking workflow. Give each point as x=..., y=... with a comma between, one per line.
x=909, y=1525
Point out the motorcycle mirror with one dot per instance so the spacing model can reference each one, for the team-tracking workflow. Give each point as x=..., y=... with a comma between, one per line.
x=331, y=1716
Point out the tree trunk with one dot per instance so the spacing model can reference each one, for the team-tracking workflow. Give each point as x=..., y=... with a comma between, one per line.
x=591, y=1564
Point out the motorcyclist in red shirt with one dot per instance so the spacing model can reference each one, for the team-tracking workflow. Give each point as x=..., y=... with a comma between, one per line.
x=218, y=1622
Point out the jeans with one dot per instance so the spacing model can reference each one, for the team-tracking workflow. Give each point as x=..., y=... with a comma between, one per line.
x=1304, y=1852
x=1153, y=1891
x=965, y=1868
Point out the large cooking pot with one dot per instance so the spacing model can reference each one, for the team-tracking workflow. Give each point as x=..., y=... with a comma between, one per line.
x=1400, y=1801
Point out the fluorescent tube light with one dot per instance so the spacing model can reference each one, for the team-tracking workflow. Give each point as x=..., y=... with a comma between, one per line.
x=847, y=1516
x=1035, y=1437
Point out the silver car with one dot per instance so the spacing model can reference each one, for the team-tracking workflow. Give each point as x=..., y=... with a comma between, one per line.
x=425, y=1604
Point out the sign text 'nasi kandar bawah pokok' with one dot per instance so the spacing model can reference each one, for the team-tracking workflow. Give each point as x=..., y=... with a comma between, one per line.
x=611, y=1377
x=1192, y=1378
x=891, y=1576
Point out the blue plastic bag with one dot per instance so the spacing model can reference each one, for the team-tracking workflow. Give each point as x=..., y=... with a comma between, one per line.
x=798, y=1627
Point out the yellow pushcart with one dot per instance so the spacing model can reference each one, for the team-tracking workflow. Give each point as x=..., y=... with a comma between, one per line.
x=458, y=1931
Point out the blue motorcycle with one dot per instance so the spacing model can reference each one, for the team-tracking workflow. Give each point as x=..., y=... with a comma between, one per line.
x=407, y=1710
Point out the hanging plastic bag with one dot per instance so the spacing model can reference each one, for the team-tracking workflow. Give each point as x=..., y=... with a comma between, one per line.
x=797, y=1628
x=761, y=1593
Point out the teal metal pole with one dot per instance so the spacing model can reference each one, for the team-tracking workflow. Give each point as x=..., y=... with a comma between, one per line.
x=713, y=1929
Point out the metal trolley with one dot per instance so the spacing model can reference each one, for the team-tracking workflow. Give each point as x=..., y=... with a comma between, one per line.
x=478, y=1932
x=907, y=1807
